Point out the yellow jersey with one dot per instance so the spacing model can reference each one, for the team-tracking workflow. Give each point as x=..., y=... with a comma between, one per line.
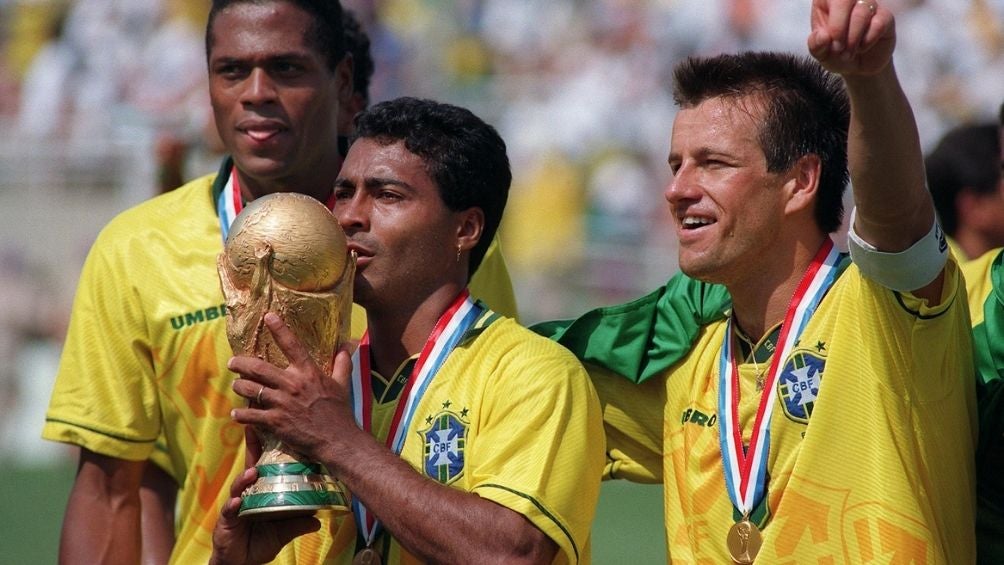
x=143, y=371
x=532, y=440
x=871, y=439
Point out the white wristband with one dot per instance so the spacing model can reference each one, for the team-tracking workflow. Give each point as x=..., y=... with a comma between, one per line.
x=904, y=271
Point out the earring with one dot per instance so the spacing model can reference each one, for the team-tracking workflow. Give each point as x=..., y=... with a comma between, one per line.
x=458, y=253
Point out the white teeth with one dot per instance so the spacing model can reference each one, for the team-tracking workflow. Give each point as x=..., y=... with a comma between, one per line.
x=691, y=221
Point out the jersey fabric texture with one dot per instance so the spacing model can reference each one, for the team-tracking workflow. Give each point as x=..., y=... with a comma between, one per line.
x=525, y=432
x=985, y=285
x=871, y=440
x=143, y=371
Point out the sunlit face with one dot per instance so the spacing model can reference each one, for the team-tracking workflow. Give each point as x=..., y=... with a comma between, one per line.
x=397, y=222
x=726, y=207
x=274, y=99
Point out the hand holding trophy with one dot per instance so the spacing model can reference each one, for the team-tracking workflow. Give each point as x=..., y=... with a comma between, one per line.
x=286, y=253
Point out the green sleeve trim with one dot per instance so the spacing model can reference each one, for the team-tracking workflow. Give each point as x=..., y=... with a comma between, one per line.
x=543, y=511
x=642, y=339
x=916, y=313
x=100, y=432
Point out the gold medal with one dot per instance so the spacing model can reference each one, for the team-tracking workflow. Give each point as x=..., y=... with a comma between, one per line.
x=743, y=541
x=368, y=556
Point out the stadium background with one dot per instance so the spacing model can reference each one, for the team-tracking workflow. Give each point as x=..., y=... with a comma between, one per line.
x=97, y=96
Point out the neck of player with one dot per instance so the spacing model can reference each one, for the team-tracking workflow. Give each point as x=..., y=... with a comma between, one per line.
x=318, y=185
x=399, y=329
x=761, y=297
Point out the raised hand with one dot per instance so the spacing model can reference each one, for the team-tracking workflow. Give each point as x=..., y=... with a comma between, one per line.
x=852, y=37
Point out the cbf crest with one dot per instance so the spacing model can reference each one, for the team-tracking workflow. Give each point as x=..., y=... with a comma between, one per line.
x=798, y=384
x=444, y=444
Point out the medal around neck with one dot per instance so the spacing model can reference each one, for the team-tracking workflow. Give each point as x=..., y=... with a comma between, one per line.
x=286, y=253
x=743, y=541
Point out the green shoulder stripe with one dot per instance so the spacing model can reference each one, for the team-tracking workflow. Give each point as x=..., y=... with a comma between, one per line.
x=101, y=432
x=643, y=338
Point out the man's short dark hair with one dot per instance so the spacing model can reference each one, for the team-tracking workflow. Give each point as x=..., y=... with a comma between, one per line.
x=806, y=111
x=325, y=34
x=357, y=42
x=968, y=156
x=463, y=155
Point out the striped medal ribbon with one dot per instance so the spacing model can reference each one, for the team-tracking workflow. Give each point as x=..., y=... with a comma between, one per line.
x=449, y=330
x=746, y=469
x=230, y=203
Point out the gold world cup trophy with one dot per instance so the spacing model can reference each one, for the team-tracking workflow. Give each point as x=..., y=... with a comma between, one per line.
x=286, y=253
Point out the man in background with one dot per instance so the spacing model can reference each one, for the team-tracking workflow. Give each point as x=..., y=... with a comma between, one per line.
x=963, y=174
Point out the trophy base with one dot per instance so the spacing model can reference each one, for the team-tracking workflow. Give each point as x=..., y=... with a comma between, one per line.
x=286, y=490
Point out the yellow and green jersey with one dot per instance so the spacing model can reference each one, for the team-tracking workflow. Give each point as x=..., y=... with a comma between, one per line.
x=143, y=372
x=985, y=284
x=871, y=439
x=525, y=432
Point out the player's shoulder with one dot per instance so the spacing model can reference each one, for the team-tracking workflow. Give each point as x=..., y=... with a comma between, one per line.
x=508, y=334
x=509, y=347
x=172, y=211
x=979, y=268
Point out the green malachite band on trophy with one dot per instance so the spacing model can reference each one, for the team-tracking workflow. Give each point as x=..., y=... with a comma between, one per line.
x=293, y=487
x=293, y=500
x=290, y=469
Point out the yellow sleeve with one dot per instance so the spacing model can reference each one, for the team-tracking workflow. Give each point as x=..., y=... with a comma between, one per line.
x=633, y=417
x=539, y=451
x=105, y=395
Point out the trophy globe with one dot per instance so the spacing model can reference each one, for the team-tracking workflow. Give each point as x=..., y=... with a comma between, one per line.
x=286, y=253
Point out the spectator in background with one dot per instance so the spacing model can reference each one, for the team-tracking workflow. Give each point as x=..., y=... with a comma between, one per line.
x=963, y=174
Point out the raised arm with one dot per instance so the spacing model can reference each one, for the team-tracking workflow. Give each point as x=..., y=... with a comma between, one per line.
x=893, y=209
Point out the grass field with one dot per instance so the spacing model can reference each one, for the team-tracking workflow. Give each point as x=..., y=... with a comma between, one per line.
x=628, y=526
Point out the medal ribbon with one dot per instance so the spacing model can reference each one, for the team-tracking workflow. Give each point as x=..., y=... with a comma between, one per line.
x=230, y=203
x=449, y=330
x=746, y=469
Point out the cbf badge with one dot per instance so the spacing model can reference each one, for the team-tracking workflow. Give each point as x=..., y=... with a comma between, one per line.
x=444, y=442
x=798, y=385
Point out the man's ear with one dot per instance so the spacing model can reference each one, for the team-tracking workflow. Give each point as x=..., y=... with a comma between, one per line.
x=470, y=227
x=802, y=183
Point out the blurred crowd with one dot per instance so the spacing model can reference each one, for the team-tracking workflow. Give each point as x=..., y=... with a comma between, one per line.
x=579, y=89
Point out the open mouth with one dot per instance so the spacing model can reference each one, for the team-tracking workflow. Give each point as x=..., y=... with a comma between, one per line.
x=695, y=222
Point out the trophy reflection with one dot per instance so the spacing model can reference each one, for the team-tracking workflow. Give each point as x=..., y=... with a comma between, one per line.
x=286, y=253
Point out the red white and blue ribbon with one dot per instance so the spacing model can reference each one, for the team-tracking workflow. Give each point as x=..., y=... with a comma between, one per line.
x=449, y=330
x=230, y=203
x=746, y=468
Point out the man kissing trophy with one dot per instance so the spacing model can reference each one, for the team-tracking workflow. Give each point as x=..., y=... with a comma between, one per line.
x=286, y=253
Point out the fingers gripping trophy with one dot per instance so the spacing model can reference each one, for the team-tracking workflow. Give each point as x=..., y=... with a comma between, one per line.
x=286, y=253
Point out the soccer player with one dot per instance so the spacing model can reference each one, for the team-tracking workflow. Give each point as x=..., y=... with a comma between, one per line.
x=829, y=414
x=143, y=386
x=495, y=451
x=984, y=281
